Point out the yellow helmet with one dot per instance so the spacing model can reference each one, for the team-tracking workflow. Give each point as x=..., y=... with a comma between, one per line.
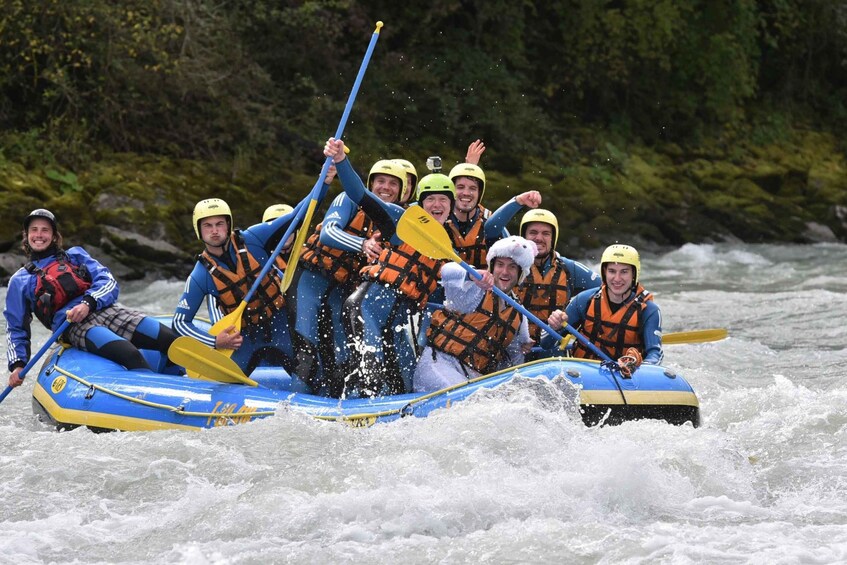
x=543, y=216
x=274, y=211
x=392, y=168
x=469, y=170
x=410, y=170
x=624, y=254
x=208, y=208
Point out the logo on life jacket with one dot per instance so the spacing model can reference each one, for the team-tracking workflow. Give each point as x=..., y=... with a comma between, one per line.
x=57, y=284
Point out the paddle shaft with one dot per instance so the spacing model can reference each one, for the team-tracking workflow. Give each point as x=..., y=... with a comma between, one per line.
x=313, y=197
x=671, y=338
x=62, y=327
x=535, y=319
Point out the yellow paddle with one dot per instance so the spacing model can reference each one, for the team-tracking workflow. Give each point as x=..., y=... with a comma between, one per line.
x=695, y=336
x=303, y=215
x=423, y=232
x=691, y=336
x=206, y=363
x=297, y=246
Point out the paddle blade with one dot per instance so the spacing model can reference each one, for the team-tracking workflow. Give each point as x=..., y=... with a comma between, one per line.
x=232, y=319
x=297, y=248
x=423, y=232
x=695, y=336
x=208, y=363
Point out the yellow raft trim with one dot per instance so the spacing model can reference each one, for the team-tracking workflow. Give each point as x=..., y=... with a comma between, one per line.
x=99, y=420
x=129, y=423
x=639, y=398
x=586, y=397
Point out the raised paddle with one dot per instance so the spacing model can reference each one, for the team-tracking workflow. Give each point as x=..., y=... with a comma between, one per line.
x=62, y=327
x=206, y=363
x=303, y=213
x=423, y=232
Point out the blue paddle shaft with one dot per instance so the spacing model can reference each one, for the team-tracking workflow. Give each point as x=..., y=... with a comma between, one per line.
x=537, y=321
x=300, y=209
x=37, y=356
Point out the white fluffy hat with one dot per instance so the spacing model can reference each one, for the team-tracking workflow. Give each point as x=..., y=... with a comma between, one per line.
x=520, y=250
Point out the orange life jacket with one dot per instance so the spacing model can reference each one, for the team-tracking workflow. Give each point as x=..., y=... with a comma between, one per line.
x=57, y=284
x=404, y=269
x=541, y=294
x=479, y=338
x=233, y=286
x=614, y=332
x=337, y=263
x=471, y=247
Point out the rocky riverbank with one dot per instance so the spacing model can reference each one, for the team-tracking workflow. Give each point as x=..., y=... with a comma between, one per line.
x=134, y=212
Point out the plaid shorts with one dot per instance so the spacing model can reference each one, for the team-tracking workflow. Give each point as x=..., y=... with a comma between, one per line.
x=120, y=320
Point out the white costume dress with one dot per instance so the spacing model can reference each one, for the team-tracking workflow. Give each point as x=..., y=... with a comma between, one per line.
x=464, y=296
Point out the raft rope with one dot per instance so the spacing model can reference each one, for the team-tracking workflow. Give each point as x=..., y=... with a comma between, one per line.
x=406, y=410
x=175, y=409
x=614, y=368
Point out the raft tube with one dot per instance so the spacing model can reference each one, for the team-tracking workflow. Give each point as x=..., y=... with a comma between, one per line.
x=75, y=388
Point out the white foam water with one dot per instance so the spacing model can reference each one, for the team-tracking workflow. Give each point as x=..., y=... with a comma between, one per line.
x=510, y=476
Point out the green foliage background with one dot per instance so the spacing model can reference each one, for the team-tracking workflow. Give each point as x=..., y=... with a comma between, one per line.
x=664, y=120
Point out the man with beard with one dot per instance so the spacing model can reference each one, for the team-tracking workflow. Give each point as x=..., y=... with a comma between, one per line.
x=472, y=227
x=553, y=279
x=225, y=271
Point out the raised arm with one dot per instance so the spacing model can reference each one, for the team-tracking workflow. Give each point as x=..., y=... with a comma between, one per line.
x=475, y=151
x=495, y=224
x=339, y=215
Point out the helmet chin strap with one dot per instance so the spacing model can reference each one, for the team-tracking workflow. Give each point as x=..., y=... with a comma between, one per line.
x=221, y=247
x=540, y=260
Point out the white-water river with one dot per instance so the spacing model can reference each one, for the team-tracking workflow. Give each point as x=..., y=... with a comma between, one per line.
x=509, y=478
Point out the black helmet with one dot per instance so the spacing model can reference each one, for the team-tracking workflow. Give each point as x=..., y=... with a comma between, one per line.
x=40, y=213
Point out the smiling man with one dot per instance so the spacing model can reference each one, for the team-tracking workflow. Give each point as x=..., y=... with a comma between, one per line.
x=55, y=285
x=620, y=318
x=472, y=227
x=553, y=279
x=477, y=332
x=396, y=286
x=344, y=242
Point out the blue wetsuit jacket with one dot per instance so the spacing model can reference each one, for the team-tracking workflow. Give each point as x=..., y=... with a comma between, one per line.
x=20, y=301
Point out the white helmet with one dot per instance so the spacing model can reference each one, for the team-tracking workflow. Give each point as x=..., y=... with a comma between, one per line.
x=521, y=251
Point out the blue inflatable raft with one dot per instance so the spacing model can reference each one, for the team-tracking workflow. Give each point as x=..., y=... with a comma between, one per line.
x=75, y=388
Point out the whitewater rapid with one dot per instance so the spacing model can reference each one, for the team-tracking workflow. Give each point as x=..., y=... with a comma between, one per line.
x=512, y=476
